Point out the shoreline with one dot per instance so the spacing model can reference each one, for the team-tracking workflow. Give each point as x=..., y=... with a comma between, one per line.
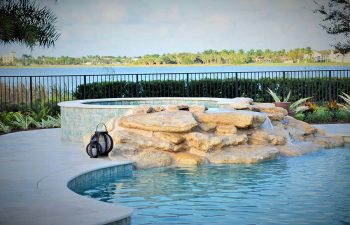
x=172, y=65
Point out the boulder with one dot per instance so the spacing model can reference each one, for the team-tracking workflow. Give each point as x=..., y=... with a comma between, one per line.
x=240, y=103
x=240, y=119
x=276, y=140
x=203, y=142
x=197, y=108
x=151, y=158
x=298, y=149
x=330, y=142
x=243, y=154
x=144, y=142
x=304, y=128
x=125, y=150
x=270, y=108
x=226, y=129
x=174, y=138
x=258, y=137
x=232, y=140
x=165, y=121
x=158, y=108
x=187, y=159
x=172, y=108
x=207, y=126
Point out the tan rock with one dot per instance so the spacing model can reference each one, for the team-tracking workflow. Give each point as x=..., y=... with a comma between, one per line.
x=233, y=140
x=184, y=107
x=276, y=140
x=126, y=137
x=197, y=108
x=226, y=129
x=298, y=149
x=177, y=121
x=305, y=128
x=258, y=137
x=207, y=126
x=276, y=116
x=187, y=159
x=158, y=108
x=150, y=159
x=172, y=108
x=321, y=132
x=240, y=103
x=142, y=109
x=243, y=154
x=125, y=150
x=330, y=141
x=174, y=138
x=346, y=140
x=240, y=119
x=270, y=108
x=203, y=142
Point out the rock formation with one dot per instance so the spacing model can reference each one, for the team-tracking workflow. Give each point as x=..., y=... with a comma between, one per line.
x=156, y=136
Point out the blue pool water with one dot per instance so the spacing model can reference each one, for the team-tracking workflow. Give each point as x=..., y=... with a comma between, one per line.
x=310, y=189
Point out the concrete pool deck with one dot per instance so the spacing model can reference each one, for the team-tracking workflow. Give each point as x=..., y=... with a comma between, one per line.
x=35, y=168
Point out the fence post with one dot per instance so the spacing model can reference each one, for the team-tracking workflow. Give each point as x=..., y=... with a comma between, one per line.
x=329, y=85
x=187, y=85
x=283, y=84
x=31, y=91
x=84, y=97
x=137, y=85
x=236, y=85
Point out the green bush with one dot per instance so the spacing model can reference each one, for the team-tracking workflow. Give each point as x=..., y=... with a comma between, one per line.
x=219, y=87
x=300, y=116
x=342, y=116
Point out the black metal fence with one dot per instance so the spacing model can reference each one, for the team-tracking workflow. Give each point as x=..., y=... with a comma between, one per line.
x=26, y=91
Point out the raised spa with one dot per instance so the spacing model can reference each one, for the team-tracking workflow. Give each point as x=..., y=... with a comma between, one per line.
x=81, y=116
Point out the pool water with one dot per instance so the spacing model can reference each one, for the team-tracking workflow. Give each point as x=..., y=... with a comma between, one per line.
x=310, y=189
x=163, y=102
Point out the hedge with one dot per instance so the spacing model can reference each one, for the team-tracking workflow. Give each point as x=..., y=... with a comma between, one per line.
x=322, y=89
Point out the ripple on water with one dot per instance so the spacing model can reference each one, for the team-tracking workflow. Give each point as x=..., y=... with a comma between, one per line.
x=311, y=189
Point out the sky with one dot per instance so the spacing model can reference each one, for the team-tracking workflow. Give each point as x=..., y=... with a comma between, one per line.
x=139, y=27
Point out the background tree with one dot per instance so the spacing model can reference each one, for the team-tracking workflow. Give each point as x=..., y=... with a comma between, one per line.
x=336, y=21
x=28, y=23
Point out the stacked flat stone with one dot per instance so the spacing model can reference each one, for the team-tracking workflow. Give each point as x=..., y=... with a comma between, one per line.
x=157, y=136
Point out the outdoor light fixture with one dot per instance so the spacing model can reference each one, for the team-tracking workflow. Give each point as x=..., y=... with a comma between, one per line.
x=101, y=143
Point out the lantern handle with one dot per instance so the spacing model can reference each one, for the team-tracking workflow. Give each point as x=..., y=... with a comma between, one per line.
x=103, y=125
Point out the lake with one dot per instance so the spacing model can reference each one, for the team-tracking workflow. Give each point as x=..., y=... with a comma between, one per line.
x=154, y=69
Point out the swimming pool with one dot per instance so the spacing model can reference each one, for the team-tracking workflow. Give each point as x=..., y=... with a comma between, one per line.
x=310, y=189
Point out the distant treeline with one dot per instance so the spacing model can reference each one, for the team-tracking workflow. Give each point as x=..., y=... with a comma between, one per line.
x=206, y=57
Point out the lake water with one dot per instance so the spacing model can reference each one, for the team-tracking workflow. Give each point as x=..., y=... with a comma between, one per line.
x=310, y=189
x=151, y=69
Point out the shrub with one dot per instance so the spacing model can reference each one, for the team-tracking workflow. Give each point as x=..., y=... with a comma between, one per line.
x=219, y=86
x=22, y=121
x=5, y=128
x=300, y=116
x=342, y=116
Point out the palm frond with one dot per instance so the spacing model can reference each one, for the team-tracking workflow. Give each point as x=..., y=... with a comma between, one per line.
x=296, y=104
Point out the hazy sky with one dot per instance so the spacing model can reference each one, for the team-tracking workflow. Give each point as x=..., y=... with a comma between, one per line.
x=138, y=27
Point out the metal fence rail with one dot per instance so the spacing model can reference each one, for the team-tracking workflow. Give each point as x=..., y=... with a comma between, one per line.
x=26, y=91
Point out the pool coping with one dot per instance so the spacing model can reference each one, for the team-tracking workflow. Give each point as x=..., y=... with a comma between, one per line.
x=83, y=103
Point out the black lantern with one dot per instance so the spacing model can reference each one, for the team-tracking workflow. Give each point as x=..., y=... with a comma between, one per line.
x=101, y=143
x=93, y=149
